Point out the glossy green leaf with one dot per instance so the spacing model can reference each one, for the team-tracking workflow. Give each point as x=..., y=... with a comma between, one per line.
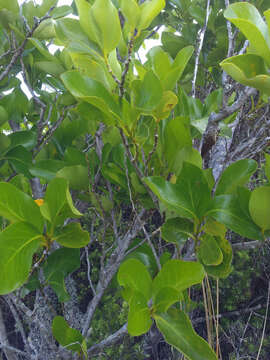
x=139, y=317
x=176, y=136
x=131, y=11
x=237, y=174
x=214, y=228
x=225, y=267
x=18, y=243
x=68, y=337
x=178, y=332
x=84, y=11
x=58, y=265
x=166, y=105
x=58, y=202
x=249, y=70
x=165, y=298
x=161, y=61
x=25, y=138
x=179, y=275
x=45, y=30
x=133, y=274
x=228, y=210
x=61, y=11
x=101, y=23
x=50, y=67
x=46, y=169
x=178, y=67
x=72, y=236
x=17, y=206
x=209, y=251
x=20, y=159
x=149, y=92
x=145, y=255
x=76, y=175
x=177, y=230
x=149, y=10
x=91, y=91
x=248, y=19
x=190, y=197
x=259, y=206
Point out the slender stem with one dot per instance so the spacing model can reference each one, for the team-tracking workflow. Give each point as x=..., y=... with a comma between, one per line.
x=201, y=34
x=265, y=319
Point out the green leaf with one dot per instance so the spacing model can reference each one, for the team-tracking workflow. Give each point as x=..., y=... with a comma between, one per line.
x=91, y=91
x=20, y=159
x=225, y=267
x=11, y=5
x=4, y=142
x=149, y=10
x=101, y=23
x=248, y=19
x=237, y=174
x=214, y=228
x=25, y=138
x=178, y=67
x=259, y=207
x=249, y=70
x=18, y=243
x=68, y=337
x=190, y=197
x=178, y=275
x=61, y=11
x=228, y=210
x=139, y=317
x=3, y=116
x=177, y=230
x=149, y=93
x=46, y=169
x=178, y=332
x=58, y=265
x=165, y=298
x=76, y=175
x=17, y=206
x=166, y=105
x=133, y=274
x=267, y=166
x=72, y=236
x=58, y=202
x=131, y=11
x=209, y=251
x=176, y=136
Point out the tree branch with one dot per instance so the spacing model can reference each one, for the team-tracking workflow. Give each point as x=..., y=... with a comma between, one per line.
x=201, y=34
x=109, y=341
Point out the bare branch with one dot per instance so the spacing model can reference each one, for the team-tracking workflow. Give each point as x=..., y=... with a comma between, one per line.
x=109, y=341
x=200, y=40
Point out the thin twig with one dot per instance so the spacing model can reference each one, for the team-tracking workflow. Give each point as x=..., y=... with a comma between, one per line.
x=265, y=319
x=20, y=49
x=201, y=34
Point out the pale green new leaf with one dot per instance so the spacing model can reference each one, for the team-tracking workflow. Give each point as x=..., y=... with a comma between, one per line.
x=248, y=19
x=249, y=70
x=149, y=10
